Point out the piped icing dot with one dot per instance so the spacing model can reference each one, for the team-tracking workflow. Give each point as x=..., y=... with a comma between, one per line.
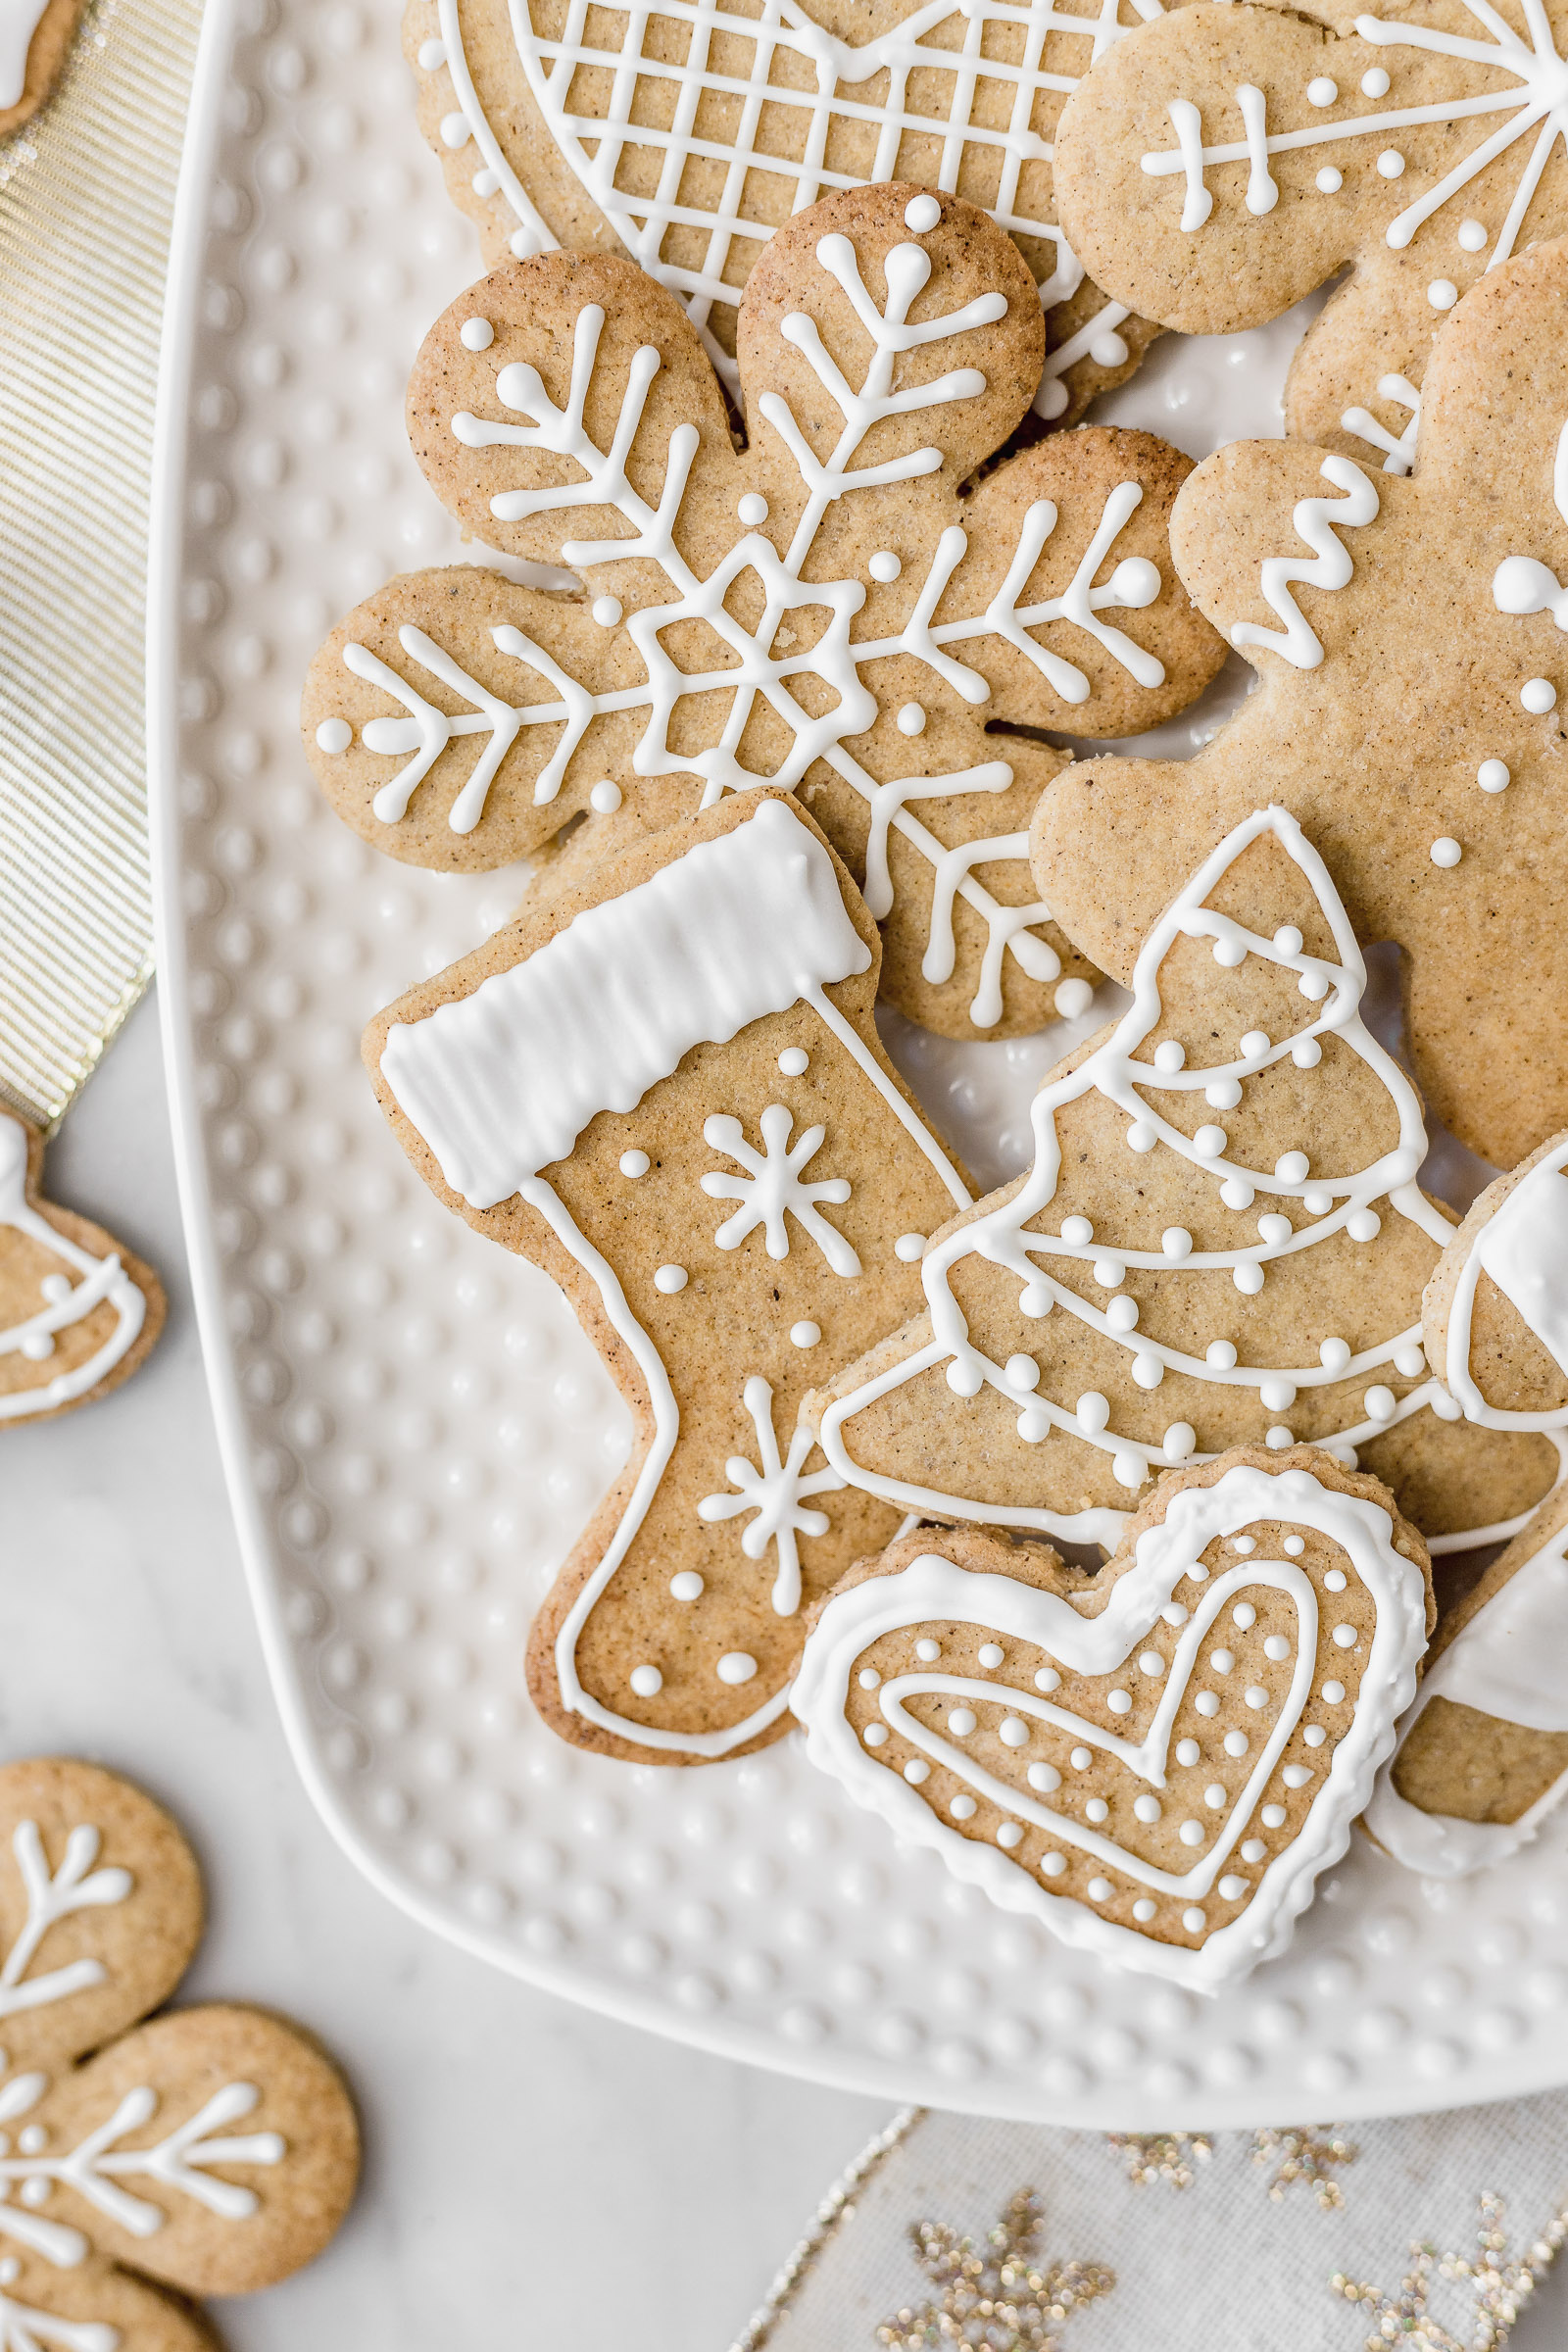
x=1147, y=1808
x=334, y=735
x=1051, y=1866
x=1142, y=1137
x=605, y=797
x=1100, y=1891
x=1273, y=1817
x=1222, y=1661
x=805, y=1334
x=875, y=1734
x=456, y=130
x=928, y=1651
x=1210, y=1142
x=1170, y=1055
x=868, y=1678
x=752, y=510
x=1207, y=1702
x=687, y=1584
x=1179, y=1441
x=1013, y=1732
x=1144, y=1910
x=1022, y=1372
x=1188, y=1752
x=1245, y=1615
x=1379, y=1403
x=1375, y=84
x=1287, y=940
x=1391, y=164
x=1120, y=1702
x=1093, y=1413
x=1236, y=1744
x=1295, y=1546
x=1329, y=181
x=1334, y=1580
x=1244, y=1545
x=963, y=1807
x=1231, y=1888
x=1279, y=1436
x=1152, y=1662
x=961, y=1722
x=1471, y=236
x=1291, y=1167
x=1009, y=1833
x=1072, y=998
x=911, y=719
x=670, y=1279
x=1253, y=1849
x=1077, y=1231
x=1346, y=1637
x=1442, y=293
x=916, y=1771
x=1221, y=1355
x=432, y=55
x=1537, y=694
x=921, y=214
x=1296, y=1776
x=1048, y=1680
x=1080, y=1759
x=1176, y=1242
x=1108, y=349
x=1044, y=1778
x=909, y=1246
x=990, y=1654
x=1364, y=1224
x=476, y=334
x=1333, y=1694
x=1109, y=1273
x=1192, y=1833
x=736, y=1666
x=1314, y=1734
x=1320, y=91
x=646, y=1681
x=1493, y=776
x=884, y=565
x=1096, y=1810
x=1255, y=1695
x=795, y=1061
x=607, y=611
x=1334, y=1355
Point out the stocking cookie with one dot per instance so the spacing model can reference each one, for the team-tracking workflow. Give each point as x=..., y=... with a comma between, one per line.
x=834, y=610
x=211, y=2151
x=35, y=36
x=78, y=1312
x=1497, y=1307
x=667, y=1091
x=1221, y=1242
x=1228, y=159
x=1403, y=636
x=1155, y=1763
x=691, y=137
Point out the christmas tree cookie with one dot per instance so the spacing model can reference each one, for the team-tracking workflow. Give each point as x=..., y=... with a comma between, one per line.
x=837, y=609
x=1409, y=659
x=1221, y=1241
x=667, y=1089
x=1156, y=1762
x=1224, y=160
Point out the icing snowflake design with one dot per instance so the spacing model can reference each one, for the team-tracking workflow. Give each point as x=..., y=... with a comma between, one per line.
x=51, y=1897
x=797, y=86
x=1399, y=449
x=1536, y=102
x=757, y=669
x=775, y=1492
x=24, y=2330
x=101, y=1281
x=772, y=1187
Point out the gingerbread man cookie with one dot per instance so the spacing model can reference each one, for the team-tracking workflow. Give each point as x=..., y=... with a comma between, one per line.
x=211, y=2151
x=1408, y=661
x=35, y=37
x=1156, y=1763
x=836, y=611
x=78, y=1311
x=692, y=135
x=1221, y=1241
x=667, y=1089
x=1227, y=160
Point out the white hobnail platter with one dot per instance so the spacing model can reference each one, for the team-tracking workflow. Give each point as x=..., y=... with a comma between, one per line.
x=412, y=1426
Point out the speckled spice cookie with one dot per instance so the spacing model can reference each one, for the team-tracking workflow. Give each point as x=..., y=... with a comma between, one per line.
x=838, y=609
x=35, y=37
x=1226, y=160
x=614, y=125
x=1221, y=1241
x=1407, y=711
x=78, y=1311
x=1496, y=1312
x=213, y=2151
x=1156, y=1762
x=667, y=1089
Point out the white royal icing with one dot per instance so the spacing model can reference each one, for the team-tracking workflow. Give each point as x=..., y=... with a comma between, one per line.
x=18, y=21
x=500, y=1084
x=1520, y=584
x=932, y=1589
x=1399, y=449
x=758, y=666
x=1331, y=566
x=1524, y=1249
x=1334, y=1203
x=1536, y=108
x=773, y=1188
x=103, y=1282
x=1511, y=1662
x=819, y=80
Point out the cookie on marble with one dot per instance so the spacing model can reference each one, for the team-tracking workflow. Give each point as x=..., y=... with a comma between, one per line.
x=667, y=1089
x=213, y=2150
x=78, y=1311
x=1226, y=160
x=1222, y=1240
x=553, y=129
x=1156, y=1762
x=838, y=610
x=35, y=37
x=1404, y=632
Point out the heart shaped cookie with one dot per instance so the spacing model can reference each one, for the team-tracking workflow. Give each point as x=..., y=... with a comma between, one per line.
x=1156, y=1762
x=694, y=132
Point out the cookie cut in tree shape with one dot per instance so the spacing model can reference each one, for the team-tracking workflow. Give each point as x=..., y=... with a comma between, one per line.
x=693, y=132
x=565, y=1089
x=833, y=610
x=1077, y=1749
x=211, y=2151
x=78, y=1312
x=1221, y=1241
x=1228, y=158
x=1407, y=716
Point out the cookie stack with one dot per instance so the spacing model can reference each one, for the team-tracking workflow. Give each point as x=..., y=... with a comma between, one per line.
x=774, y=729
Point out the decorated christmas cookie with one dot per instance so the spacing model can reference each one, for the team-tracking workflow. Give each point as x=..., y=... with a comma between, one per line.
x=1409, y=660
x=78, y=1312
x=35, y=38
x=837, y=609
x=1221, y=1241
x=692, y=135
x=1156, y=1762
x=1483, y=1755
x=1228, y=158
x=1497, y=1308
x=211, y=2151
x=667, y=1089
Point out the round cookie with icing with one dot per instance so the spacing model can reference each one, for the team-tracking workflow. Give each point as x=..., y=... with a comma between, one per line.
x=1410, y=664
x=840, y=609
x=1496, y=1310
x=1222, y=1240
x=213, y=2150
x=1224, y=160
x=78, y=1311
x=691, y=137
x=1156, y=1762
x=35, y=37
x=1483, y=1755
x=667, y=1089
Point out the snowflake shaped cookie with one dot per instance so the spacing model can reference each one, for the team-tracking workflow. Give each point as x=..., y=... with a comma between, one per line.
x=210, y=2151
x=1228, y=158
x=836, y=611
